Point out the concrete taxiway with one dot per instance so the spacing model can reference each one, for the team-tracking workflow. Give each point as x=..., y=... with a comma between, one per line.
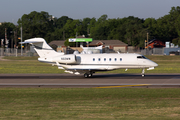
x=97, y=81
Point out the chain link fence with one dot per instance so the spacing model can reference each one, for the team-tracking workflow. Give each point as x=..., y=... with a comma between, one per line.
x=154, y=51
x=161, y=51
x=16, y=52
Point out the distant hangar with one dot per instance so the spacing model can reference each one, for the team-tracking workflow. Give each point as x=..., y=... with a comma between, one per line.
x=115, y=45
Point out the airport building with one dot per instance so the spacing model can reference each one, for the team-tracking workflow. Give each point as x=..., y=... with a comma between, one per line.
x=107, y=46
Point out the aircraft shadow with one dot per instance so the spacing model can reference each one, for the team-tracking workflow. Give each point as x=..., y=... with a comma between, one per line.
x=136, y=76
x=96, y=76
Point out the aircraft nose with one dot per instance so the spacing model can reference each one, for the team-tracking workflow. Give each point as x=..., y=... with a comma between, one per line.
x=155, y=64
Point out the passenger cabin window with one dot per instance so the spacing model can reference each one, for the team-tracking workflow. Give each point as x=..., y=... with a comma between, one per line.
x=93, y=59
x=120, y=59
x=104, y=59
x=115, y=59
x=109, y=59
x=99, y=59
x=141, y=57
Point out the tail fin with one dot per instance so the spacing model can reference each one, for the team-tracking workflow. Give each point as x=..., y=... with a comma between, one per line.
x=41, y=47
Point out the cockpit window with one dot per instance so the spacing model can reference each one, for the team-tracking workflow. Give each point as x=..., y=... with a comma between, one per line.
x=141, y=57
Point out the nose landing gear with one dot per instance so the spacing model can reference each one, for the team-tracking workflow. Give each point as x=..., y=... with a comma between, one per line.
x=143, y=72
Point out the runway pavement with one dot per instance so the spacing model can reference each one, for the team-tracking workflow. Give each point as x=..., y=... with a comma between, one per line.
x=97, y=81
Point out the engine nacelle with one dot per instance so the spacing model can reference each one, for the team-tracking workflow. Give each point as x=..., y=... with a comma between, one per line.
x=66, y=59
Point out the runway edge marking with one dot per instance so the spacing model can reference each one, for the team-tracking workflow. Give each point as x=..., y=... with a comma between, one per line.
x=124, y=86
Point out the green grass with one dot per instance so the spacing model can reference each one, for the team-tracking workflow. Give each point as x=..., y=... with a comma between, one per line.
x=24, y=66
x=160, y=57
x=167, y=64
x=90, y=103
x=20, y=58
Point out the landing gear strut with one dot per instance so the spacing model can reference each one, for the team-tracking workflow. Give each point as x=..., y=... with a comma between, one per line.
x=143, y=71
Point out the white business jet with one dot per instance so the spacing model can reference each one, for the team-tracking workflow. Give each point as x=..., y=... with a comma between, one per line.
x=88, y=64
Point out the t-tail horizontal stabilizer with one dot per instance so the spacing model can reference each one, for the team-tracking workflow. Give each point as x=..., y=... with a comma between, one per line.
x=41, y=47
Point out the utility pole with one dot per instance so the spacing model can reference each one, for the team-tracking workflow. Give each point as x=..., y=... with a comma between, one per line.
x=146, y=42
x=147, y=38
x=76, y=37
x=63, y=34
x=21, y=39
x=146, y=45
x=12, y=40
x=5, y=37
x=15, y=38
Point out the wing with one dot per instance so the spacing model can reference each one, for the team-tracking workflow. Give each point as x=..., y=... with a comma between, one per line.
x=77, y=70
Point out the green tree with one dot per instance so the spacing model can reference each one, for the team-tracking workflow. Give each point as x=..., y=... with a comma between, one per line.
x=86, y=26
x=59, y=32
x=117, y=30
x=10, y=28
x=73, y=27
x=60, y=22
x=174, y=21
x=176, y=41
x=100, y=30
x=131, y=30
x=36, y=24
x=150, y=24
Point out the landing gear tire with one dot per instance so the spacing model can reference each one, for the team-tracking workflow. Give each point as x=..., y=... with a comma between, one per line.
x=88, y=75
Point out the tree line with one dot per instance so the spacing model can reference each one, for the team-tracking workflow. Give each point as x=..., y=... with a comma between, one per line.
x=131, y=30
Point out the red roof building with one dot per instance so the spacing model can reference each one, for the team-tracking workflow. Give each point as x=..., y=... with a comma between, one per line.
x=155, y=43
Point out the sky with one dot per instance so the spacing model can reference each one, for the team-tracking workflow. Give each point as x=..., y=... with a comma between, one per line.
x=12, y=10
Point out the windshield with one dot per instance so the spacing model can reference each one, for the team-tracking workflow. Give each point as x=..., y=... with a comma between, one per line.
x=141, y=57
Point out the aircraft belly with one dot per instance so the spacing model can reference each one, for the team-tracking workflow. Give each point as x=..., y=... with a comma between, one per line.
x=103, y=66
x=95, y=67
x=82, y=67
x=122, y=67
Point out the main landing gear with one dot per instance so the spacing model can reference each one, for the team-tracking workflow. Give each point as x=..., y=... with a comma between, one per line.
x=143, y=72
x=88, y=75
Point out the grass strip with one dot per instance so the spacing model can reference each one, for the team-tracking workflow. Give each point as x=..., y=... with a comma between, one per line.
x=90, y=103
x=24, y=66
x=21, y=57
